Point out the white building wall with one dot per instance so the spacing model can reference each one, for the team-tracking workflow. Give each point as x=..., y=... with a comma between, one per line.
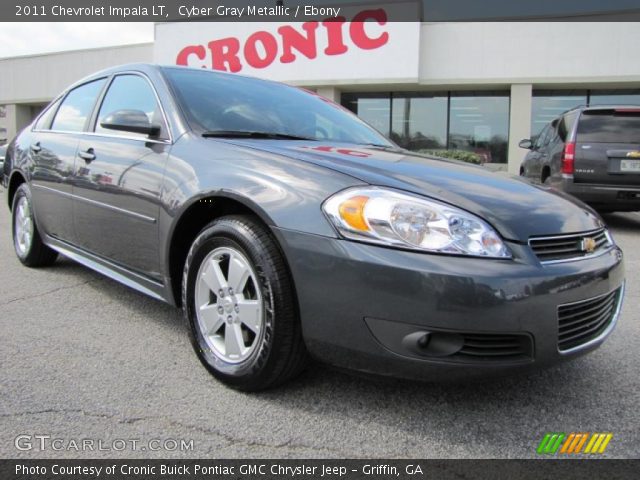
x=39, y=78
x=539, y=53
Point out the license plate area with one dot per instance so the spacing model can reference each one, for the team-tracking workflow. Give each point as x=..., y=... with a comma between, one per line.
x=629, y=166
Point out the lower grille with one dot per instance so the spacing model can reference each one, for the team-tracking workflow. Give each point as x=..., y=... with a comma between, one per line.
x=570, y=247
x=495, y=347
x=583, y=321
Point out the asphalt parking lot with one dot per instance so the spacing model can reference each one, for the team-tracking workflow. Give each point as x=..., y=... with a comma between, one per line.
x=83, y=357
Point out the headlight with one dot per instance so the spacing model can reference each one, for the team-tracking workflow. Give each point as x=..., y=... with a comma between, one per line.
x=387, y=217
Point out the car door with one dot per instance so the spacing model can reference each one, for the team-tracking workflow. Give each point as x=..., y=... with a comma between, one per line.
x=118, y=180
x=53, y=149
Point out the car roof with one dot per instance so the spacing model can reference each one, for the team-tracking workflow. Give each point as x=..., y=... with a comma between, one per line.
x=595, y=108
x=150, y=68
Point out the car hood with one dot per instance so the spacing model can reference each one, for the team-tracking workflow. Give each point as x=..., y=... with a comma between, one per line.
x=518, y=210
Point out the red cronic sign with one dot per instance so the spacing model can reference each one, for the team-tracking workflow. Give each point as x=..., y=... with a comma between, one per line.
x=261, y=49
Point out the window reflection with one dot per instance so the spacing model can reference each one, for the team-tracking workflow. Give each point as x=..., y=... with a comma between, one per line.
x=549, y=104
x=373, y=108
x=479, y=122
x=419, y=122
x=614, y=97
x=472, y=121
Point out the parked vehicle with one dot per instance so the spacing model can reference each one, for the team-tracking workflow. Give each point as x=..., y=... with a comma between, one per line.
x=592, y=153
x=285, y=228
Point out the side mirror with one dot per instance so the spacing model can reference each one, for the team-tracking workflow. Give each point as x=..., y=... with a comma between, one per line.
x=526, y=143
x=135, y=121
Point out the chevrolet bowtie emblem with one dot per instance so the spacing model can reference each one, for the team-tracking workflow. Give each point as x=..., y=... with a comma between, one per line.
x=634, y=154
x=588, y=245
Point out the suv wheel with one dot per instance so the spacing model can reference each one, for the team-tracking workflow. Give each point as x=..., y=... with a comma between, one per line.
x=28, y=245
x=239, y=302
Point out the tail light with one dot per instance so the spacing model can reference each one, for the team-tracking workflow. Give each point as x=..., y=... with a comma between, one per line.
x=568, y=157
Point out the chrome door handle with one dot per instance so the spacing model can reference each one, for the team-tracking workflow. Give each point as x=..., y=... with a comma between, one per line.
x=87, y=155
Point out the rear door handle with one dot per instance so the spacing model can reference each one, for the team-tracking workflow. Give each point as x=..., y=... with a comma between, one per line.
x=87, y=155
x=36, y=147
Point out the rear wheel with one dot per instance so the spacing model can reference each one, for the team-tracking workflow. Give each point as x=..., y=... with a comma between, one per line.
x=28, y=245
x=239, y=302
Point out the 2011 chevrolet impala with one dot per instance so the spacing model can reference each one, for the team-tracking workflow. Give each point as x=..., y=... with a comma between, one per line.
x=286, y=228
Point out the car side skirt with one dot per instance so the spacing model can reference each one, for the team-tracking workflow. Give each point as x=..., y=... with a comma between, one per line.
x=109, y=269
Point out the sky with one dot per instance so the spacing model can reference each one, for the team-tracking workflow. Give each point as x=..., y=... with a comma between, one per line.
x=22, y=38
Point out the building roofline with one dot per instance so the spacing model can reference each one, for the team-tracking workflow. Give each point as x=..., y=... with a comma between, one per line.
x=64, y=52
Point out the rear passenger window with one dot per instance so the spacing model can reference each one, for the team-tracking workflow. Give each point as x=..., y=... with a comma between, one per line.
x=44, y=122
x=609, y=126
x=77, y=106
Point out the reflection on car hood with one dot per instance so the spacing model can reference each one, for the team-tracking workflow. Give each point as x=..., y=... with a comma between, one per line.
x=516, y=208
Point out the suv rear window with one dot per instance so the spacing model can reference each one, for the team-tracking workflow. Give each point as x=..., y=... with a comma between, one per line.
x=609, y=126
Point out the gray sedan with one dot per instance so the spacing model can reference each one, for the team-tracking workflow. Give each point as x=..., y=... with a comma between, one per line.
x=288, y=229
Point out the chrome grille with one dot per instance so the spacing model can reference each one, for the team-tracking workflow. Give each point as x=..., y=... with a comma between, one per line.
x=569, y=247
x=583, y=321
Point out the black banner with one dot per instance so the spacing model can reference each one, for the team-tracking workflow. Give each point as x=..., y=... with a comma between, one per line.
x=315, y=10
x=318, y=469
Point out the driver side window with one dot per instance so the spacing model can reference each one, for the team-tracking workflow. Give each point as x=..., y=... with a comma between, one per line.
x=131, y=92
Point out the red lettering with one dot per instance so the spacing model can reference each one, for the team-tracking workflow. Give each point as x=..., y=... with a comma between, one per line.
x=291, y=39
x=261, y=48
x=335, y=45
x=358, y=33
x=321, y=148
x=225, y=51
x=353, y=153
x=186, y=52
x=251, y=49
x=342, y=151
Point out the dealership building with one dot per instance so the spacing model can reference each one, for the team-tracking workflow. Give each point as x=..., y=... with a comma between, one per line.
x=480, y=87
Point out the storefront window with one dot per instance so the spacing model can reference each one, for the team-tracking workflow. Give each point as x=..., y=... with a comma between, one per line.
x=472, y=121
x=419, y=121
x=614, y=97
x=479, y=122
x=549, y=104
x=375, y=109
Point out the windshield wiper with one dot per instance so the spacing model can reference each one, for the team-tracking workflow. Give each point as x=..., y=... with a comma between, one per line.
x=252, y=134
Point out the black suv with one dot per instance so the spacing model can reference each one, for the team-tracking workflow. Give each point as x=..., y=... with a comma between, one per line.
x=592, y=153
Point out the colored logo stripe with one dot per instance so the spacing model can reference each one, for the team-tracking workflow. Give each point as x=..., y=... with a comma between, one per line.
x=573, y=443
x=550, y=443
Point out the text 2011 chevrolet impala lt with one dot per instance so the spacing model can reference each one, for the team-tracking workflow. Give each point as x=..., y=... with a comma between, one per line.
x=286, y=228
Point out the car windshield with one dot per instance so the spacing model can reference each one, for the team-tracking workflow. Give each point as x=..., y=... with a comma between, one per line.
x=216, y=102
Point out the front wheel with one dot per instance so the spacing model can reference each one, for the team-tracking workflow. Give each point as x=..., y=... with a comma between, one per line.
x=239, y=302
x=27, y=243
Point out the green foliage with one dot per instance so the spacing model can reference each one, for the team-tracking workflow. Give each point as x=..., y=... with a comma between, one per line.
x=462, y=155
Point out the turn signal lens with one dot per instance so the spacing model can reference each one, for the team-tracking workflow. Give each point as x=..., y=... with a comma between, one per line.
x=352, y=212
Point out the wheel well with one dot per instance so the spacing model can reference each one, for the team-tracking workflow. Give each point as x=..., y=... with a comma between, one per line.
x=16, y=180
x=546, y=173
x=191, y=224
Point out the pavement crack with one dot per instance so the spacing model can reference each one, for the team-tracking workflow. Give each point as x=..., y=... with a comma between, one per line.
x=229, y=439
x=49, y=292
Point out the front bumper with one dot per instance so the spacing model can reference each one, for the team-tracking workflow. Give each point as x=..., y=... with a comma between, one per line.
x=357, y=302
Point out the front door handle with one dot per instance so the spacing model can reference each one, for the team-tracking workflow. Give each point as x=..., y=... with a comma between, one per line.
x=87, y=155
x=36, y=147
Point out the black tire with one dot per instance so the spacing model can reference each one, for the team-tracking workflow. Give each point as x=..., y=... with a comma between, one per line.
x=279, y=353
x=37, y=254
